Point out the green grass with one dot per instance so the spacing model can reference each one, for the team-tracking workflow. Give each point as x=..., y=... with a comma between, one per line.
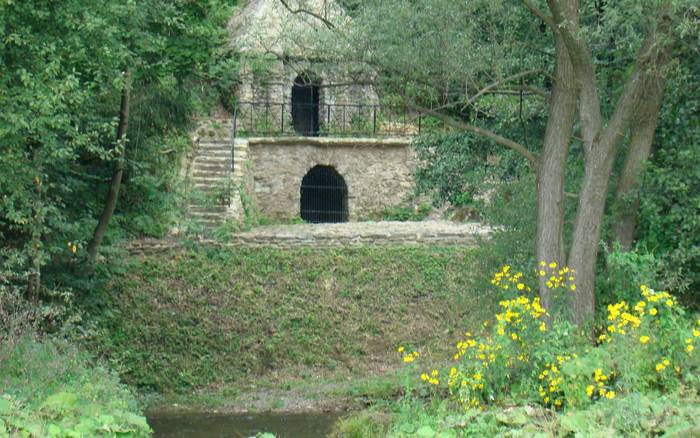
x=210, y=318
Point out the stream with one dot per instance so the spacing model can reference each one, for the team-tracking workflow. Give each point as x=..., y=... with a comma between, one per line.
x=198, y=425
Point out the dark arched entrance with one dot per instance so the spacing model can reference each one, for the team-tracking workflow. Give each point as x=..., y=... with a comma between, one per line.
x=305, y=105
x=324, y=196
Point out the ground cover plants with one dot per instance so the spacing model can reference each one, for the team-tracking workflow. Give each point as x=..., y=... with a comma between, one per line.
x=529, y=372
x=49, y=388
x=206, y=318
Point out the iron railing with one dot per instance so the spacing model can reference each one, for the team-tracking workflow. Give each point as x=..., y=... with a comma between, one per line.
x=323, y=119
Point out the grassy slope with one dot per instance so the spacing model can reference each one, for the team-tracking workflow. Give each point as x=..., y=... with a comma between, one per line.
x=207, y=318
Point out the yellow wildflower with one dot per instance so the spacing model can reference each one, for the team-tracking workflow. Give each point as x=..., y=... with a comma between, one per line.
x=653, y=311
x=644, y=339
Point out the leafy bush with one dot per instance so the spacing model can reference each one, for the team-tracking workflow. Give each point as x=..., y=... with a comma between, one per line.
x=645, y=355
x=50, y=389
x=625, y=270
x=646, y=346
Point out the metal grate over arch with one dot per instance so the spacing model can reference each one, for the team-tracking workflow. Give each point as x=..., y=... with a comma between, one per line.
x=324, y=196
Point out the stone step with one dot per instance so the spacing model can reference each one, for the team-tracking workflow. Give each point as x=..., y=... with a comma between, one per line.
x=215, y=168
x=214, y=153
x=207, y=215
x=197, y=208
x=206, y=157
x=216, y=142
x=212, y=160
x=208, y=146
x=210, y=182
x=206, y=189
x=221, y=174
x=212, y=171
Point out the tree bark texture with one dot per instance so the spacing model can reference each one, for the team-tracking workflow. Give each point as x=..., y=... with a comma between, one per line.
x=626, y=204
x=600, y=145
x=552, y=166
x=115, y=184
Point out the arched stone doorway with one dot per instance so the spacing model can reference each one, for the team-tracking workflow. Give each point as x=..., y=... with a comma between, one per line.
x=305, y=105
x=324, y=196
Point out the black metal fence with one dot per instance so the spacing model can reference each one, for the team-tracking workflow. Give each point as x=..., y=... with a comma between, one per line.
x=323, y=119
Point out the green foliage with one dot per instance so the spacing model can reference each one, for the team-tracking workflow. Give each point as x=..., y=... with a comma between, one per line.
x=639, y=415
x=50, y=389
x=404, y=214
x=215, y=316
x=624, y=271
x=669, y=223
x=61, y=76
x=457, y=168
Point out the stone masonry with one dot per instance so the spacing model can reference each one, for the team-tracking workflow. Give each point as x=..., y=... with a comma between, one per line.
x=357, y=234
x=377, y=172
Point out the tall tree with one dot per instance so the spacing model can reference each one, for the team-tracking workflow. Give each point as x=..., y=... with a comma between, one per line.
x=462, y=62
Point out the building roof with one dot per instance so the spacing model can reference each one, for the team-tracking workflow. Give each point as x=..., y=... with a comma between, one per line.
x=268, y=26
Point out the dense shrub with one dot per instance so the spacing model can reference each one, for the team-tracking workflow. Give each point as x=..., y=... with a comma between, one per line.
x=51, y=389
x=644, y=355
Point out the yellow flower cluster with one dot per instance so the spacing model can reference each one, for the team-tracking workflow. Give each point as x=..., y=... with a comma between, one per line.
x=557, y=277
x=661, y=366
x=515, y=311
x=506, y=279
x=432, y=378
x=550, y=381
x=623, y=320
x=601, y=385
x=408, y=357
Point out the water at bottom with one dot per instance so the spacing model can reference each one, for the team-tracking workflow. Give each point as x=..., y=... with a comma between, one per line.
x=195, y=425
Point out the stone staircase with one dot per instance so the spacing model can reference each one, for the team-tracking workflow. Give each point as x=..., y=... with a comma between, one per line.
x=214, y=196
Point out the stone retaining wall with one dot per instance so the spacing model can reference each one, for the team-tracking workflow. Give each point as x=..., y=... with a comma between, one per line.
x=148, y=247
x=377, y=172
x=388, y=233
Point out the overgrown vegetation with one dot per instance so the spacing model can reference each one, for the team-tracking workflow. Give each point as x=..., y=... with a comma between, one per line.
x=51, y=389
x=529, y=372
x=210, y=317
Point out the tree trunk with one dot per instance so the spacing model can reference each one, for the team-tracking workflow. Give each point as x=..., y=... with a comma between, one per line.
x=589, y=217
x=601, y=142
x=626, y=204
x=117, y=174
x=552, y=165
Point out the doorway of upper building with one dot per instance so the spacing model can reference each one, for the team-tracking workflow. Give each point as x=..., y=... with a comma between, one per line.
x=324, y=196
x=306, y=105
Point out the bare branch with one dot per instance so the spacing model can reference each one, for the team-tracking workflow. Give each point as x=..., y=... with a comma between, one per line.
x=540, y=14
x=495, y=84
x=324, y=20
x=458, y=124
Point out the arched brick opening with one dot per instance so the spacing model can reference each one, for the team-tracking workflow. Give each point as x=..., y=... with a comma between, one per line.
x=306, y=105
x=324, y=196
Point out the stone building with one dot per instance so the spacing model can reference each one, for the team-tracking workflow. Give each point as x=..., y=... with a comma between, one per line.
x=306, y=138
